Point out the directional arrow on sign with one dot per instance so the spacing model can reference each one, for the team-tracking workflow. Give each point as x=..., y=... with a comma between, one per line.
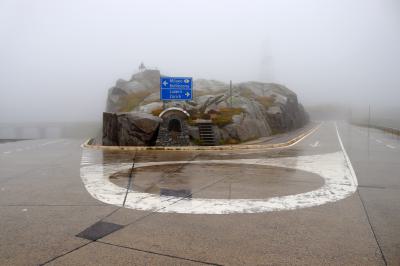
x=176, y=88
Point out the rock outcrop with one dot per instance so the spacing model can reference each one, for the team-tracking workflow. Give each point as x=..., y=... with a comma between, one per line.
x=126, y=95
x=130, y=129
x=249, y=111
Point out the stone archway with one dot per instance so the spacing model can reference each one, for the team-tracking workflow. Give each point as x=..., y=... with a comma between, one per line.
x=173, y=129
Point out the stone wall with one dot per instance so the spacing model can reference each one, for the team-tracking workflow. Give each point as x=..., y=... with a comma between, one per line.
x=168, y=137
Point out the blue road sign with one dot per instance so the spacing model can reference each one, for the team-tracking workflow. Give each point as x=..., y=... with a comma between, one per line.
x=176, y=89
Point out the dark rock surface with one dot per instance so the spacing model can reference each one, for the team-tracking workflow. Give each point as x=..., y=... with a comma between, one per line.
x=130, y=129
x=110, y=129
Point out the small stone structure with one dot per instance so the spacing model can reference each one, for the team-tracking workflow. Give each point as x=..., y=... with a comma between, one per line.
x=173, y=130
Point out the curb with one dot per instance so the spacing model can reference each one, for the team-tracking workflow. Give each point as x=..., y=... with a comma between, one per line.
x=286, y=144
x=391, y=130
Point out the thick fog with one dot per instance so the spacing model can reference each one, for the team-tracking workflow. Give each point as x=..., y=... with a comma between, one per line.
x=59, y=58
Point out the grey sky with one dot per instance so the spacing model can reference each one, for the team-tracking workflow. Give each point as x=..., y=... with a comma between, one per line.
x=58, y=58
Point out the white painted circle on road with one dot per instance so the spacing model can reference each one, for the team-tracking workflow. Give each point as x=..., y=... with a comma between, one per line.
x=332, y=167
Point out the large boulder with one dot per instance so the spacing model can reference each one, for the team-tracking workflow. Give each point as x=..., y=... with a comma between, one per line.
x=205, y=86
x=265, y=108
x=130, y=129
x=141, y=85
x=110, y=129
x=245, y=129
x=150, y=107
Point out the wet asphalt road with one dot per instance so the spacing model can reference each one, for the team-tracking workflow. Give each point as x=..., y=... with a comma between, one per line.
x=44, y=204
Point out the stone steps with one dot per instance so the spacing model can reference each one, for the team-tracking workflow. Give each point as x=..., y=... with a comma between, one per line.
x=206, y=133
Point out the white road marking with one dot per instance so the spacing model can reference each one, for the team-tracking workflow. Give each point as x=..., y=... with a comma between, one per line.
x=24, y=210
x=314, y=145
x=305, y=136
x=332, y=167
x=52, y=142
x=339, y=184
x=34, y=146
x=379, y=141
x=349, y=165
x=390, y=146
x=335, y=168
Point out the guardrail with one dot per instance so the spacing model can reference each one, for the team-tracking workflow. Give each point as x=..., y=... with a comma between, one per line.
x=390, y=130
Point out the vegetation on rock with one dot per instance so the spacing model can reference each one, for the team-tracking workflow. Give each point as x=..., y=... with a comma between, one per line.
x=223, y=116
x=157, y=111
x=266, y=101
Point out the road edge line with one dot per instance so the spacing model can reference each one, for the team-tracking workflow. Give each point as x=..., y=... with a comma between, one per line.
x=346, y=156
x=361, y=199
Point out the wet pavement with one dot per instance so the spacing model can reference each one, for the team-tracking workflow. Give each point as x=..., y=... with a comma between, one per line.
x=237, y=181
x=62, y=205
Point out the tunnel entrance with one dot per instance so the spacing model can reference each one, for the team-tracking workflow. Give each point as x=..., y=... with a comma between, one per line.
x=174, y=128
x=174, y=125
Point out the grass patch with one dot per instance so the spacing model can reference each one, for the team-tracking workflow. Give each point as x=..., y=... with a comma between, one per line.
x=275, y=131
x=246, y=92
x=157, y=112
x=231, y=141
x=194, y=115
x=265, y=101
x=224, y=116
x=198, y=142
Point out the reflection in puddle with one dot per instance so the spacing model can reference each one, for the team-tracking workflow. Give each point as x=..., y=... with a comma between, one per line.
x=229, y=181
x=181, y=193
x=211, y=180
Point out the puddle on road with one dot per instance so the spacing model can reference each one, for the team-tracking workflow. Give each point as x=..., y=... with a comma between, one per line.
x=218, y=181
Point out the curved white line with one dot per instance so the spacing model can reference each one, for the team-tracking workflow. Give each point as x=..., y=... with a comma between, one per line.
x=339, y=184
x=174, y=109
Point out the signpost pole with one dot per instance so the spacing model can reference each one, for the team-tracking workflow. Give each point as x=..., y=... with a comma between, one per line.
x=369, y=125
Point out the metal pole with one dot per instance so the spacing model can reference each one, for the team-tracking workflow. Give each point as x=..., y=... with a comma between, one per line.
x=369, y=124
x=369, y=118
x=230, y=90
x=350, y=115
x=350, y=127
